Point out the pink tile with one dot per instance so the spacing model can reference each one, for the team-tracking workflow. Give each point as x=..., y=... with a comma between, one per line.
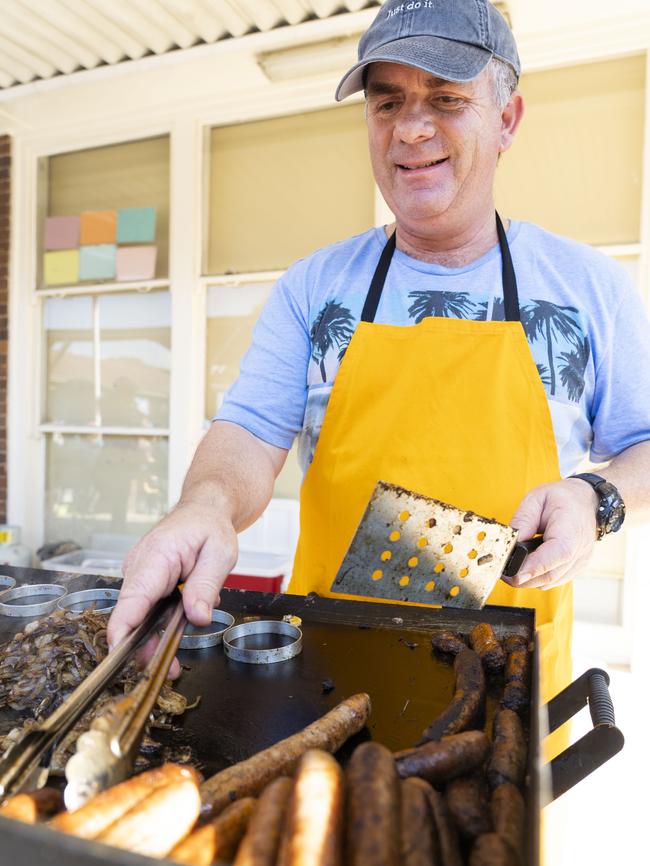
x=61, y=233
x=136, y=263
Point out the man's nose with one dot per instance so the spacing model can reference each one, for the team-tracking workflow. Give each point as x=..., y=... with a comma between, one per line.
x=415, y=124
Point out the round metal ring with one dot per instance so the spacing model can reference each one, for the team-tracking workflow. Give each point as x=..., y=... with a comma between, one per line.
x=193, y=639
x=7, y=582
x=27, y=590
x=83, y=599
x=262, y=656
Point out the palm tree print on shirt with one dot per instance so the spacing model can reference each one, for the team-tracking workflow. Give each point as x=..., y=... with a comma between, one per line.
x=333, y=328
x=572, y=372
x=542, y=319
x=456, y=305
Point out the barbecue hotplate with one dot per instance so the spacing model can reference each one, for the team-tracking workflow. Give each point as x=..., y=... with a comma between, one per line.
x=348, y=647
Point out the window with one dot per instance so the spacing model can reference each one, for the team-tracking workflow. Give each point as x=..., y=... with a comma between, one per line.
x=279, y=189
x=106, y=358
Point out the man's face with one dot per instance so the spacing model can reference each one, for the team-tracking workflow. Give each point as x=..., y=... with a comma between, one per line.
x=434, y=144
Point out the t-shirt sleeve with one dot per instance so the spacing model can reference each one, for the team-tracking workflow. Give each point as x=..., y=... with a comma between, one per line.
x=621, y=406
x=268, y=399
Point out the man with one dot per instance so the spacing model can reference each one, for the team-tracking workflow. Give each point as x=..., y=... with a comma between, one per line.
x=401, y=354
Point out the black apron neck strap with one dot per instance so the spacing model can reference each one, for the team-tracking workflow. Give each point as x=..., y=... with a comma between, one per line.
x=510, y=294
x=379, y=278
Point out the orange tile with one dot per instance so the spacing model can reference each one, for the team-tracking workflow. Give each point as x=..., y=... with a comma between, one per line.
x=98, y=227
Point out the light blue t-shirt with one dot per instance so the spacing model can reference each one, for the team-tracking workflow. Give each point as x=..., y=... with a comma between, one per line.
x=585, y=323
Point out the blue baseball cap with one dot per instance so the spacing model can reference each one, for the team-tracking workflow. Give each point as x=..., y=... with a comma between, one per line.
x=451, y=39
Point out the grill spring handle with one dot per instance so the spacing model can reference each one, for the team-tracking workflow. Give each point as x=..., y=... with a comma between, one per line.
x=598, y=745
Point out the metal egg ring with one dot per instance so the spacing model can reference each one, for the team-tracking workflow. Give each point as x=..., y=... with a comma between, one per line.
x=191, y=640
x=85, y=597
x=7, y=582
x=262, y=656
x=27, y=590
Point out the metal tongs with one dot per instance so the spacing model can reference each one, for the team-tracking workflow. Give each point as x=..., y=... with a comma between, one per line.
x=106, y=751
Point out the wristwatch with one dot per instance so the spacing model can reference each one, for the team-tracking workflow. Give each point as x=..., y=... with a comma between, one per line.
x=610, y=513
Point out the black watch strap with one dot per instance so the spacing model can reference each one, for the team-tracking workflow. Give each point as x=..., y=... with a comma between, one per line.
x=590, y=478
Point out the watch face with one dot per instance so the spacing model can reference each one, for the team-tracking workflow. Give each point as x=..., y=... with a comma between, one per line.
x=611, y=511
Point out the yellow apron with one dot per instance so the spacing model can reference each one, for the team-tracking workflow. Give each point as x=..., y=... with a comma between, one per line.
x=450, y=408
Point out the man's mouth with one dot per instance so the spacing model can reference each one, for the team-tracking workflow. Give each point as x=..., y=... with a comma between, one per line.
x=417, y=166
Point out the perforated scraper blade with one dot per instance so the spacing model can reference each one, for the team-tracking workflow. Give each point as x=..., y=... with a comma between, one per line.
x=410, y=547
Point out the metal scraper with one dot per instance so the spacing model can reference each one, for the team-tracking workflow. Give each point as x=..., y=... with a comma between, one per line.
x=410, y=547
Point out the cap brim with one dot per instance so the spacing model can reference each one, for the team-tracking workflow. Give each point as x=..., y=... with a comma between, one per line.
x=445, y=58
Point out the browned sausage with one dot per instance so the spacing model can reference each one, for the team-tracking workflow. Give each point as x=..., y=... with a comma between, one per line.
x=373, y=807
x=509, y=817
x=514, y=641
x=260, y=845
x=34, y=806
x=250, y=777
x=468, y=799
x=217, y=840
x=516, y=694
x=418, y=841
x=468, y=704
x=445, y=829
x=439, y=761
x=484, y=643
x=508, y=760
x=491, y=850
x=314, y=835
x=447, y=642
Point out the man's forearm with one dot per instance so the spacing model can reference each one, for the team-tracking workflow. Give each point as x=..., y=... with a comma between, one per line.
x=233, y=472
x=629, y=472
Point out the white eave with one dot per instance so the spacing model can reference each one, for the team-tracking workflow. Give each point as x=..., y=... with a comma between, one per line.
x=58, y=41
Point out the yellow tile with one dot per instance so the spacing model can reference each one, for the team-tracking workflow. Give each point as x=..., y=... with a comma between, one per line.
x=61, y=268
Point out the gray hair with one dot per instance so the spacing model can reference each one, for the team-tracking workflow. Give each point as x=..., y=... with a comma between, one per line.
x=504, y=81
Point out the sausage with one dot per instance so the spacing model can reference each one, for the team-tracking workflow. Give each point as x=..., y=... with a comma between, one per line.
x=217, y=840
x=34, y=806
x=468, y=704
x=515, y=694
x=484, y=643
x=100, y=812
x=314, y=835
x=468, y=799
x=260, y=845
x=444, y=828
x=447, y=642
x=157, y=823
x=508, y=760
x=491, y=850
x=250, y=777
x=439, y=761
x=373, y=807
x=418, y=842
x=509, y=817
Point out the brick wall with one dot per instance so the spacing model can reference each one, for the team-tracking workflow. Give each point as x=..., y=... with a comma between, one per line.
x=5, y=198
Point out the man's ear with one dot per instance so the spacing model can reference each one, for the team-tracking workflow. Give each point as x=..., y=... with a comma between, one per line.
x=510, y=119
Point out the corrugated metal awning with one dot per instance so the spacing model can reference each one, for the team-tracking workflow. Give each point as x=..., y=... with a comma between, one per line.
x=42, y=39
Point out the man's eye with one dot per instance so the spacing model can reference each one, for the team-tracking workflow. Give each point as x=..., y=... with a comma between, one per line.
x=449, y=101
x=385, y=107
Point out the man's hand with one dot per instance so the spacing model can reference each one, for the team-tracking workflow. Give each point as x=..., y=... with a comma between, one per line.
x=192, y=544
x=564, y=512
x=227, y=487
